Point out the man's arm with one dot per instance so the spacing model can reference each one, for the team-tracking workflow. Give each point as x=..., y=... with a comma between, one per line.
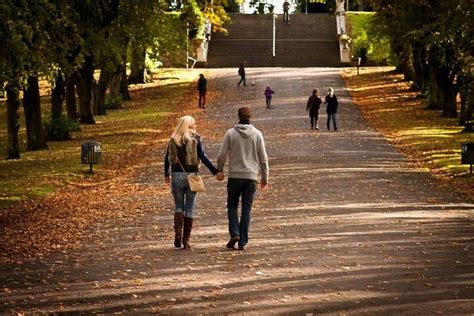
x=222, y=155
x=263, y=161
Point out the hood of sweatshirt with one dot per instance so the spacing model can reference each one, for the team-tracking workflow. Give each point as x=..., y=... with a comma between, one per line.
x=245, y=130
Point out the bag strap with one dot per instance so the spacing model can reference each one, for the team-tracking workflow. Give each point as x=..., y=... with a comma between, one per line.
x=181, y=165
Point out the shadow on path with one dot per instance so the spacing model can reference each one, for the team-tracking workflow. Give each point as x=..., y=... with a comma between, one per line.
x=348, y=226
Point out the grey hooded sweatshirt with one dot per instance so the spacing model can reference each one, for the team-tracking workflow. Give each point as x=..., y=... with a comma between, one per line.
x=247, y=155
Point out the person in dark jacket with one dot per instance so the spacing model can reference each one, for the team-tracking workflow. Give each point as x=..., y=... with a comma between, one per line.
x=331, y=107
x=242, y=75
x=286, y=9
x=184, y=152
x=313, y=105
x=202, y=88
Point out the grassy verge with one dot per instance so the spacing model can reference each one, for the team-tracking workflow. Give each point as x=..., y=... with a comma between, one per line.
x=434, y=142
x=364, y=41
x=39, y=173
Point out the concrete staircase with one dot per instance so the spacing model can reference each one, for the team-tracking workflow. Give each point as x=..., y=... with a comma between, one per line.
x=309, y=41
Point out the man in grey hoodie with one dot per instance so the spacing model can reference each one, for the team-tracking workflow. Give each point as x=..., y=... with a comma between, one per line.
x=247, y=158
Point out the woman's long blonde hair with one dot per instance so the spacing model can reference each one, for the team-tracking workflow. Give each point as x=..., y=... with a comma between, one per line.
x=183, y=132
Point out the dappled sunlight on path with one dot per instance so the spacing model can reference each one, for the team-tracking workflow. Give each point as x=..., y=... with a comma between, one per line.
x=347, y=226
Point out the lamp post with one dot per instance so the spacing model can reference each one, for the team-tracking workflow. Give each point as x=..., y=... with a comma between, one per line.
x=306, y=7
x=187, y=45
x=274, y=32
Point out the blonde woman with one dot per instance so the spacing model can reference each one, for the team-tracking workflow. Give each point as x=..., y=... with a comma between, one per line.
x=185, y=151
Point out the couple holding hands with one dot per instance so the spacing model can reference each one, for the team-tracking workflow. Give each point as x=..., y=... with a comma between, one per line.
x=245, y=147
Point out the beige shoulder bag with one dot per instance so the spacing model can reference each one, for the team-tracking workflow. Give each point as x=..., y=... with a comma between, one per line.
x=196, y=184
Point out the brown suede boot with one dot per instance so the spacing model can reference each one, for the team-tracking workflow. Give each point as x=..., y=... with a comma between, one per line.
x=188, y=226
x=178, y=228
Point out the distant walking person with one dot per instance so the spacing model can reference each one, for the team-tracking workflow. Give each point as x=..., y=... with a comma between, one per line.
x=242, y=75
x=247, y=157
x=331, y=107
x=202, y=88
x=268, y=96
x=313, y=105
x=286, y=9
x=183, y=156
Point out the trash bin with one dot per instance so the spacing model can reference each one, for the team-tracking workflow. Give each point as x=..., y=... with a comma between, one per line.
x=467, y=154
x=91, y=153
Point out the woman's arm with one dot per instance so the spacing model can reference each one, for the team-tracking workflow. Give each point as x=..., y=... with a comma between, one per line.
x=202, y=156
x=167, y=162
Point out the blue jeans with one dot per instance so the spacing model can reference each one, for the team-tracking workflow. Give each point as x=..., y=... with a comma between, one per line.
x=333, y=116
x=246, y=189
x=184, y=199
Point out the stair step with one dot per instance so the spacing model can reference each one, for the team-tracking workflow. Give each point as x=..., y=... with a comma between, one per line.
x=309, y=41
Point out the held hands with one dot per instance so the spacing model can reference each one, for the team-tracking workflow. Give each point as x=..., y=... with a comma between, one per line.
x=220, y=176
x=167, y=180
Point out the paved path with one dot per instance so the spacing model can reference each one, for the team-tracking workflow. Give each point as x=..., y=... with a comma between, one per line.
x=348, y=226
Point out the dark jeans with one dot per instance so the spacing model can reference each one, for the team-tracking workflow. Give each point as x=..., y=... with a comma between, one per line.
x=202, y=99
x=333, y=116
x=314, y=121
x=269, y=102
x=246, y=189
x=242, y=79
x=286, y=17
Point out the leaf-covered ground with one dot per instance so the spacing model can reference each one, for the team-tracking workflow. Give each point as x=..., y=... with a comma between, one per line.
x=434, y=142
x=347, y=226
x=74, y=200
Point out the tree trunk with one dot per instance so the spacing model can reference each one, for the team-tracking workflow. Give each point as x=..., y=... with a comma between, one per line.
x=405, y=65
x=138, y=70
x=124, y=83
x=13, y=125
x=84, y=90
x=419, y=68
x=467, y=99
x=445, y=78
x=101, y=92
x=71, y=98
x=450, y=109
x=115, y=86
x=58, y=94
x=35, y=135
x=435, y=94
x=95, y=103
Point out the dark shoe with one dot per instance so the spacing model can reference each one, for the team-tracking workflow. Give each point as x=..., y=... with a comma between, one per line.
x=335, y=128
x=241, y=248
x=188, y=227
x=233, y=240
x=178, y=229
x=317, y=129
